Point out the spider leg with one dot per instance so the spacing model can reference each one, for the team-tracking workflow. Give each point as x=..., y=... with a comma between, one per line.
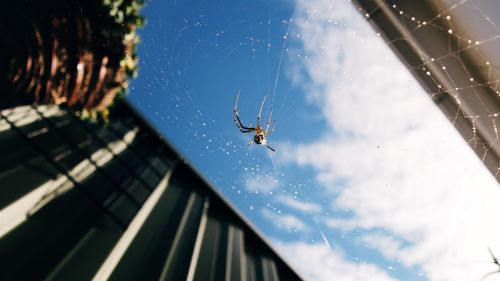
x=237, y=119
x=272, y=149
x=269, y=121
x=250, y=143
x=260, y=111
x=240, y=125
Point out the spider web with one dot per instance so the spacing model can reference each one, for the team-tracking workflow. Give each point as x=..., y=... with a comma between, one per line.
x=195, y=56
x=170, y=95
x=457, y=65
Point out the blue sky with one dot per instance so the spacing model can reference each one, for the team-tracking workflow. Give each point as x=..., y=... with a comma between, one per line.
x=368, y=182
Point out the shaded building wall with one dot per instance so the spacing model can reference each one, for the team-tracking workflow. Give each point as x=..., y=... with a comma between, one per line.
x=85, y=202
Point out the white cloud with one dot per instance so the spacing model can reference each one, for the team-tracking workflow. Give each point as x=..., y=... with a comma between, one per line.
x=264, y=184
x=286, y=221
x=406, y=167
x=389, y=246
x=320, y=263
x=296, y=204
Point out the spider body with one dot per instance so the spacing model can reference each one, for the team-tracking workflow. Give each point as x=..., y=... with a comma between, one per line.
x=260, y=136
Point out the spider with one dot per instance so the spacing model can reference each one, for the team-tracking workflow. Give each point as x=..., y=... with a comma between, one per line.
x=260, y=133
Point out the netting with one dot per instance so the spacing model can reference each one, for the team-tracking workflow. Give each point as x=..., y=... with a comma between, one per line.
x=450, y=46
x=369, y=180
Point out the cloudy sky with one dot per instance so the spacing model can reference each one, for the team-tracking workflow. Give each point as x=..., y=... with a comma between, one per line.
x=369, y=180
